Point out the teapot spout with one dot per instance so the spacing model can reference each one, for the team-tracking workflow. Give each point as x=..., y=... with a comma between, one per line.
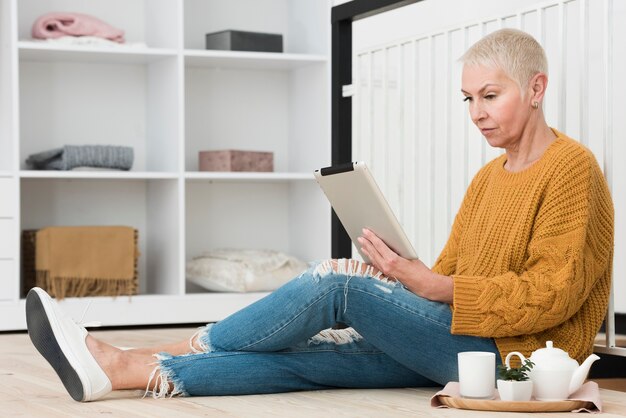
x=580, y=374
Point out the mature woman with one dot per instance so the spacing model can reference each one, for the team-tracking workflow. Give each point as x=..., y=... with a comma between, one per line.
x=528, y=260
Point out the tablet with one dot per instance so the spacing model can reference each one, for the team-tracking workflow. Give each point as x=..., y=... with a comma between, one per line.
x=359, y=203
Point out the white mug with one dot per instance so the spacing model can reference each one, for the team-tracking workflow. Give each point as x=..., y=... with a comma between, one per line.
x=477, y=374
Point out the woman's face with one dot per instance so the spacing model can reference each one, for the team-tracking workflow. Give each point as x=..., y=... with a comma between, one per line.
x=496, y=105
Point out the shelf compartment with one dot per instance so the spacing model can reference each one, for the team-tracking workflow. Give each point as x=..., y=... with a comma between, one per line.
x=258, y=110
x=43, y=52
x=153, y=22
x=250, y=60
x=255, y=110
x=236, y=215
x=304, y=25
x=150, y=206
x=292, y=217
x=237, y=109
x=103, y=104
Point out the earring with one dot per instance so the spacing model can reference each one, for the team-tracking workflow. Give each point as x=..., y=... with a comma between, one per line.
x=535, y=105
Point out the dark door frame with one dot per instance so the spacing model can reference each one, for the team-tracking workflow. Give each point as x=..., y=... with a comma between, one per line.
x=342, y=17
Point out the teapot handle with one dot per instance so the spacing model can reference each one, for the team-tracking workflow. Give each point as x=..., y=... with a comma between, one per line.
x=514, y=353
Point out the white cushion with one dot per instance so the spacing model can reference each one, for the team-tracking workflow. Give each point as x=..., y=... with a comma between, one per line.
x=230, y=270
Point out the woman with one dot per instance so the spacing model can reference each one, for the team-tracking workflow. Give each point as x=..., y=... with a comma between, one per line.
x=528, y=260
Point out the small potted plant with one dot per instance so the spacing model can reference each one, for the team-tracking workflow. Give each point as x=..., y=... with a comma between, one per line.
x=513, y=382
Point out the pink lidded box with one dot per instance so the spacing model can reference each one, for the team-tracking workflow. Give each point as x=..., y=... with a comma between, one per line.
x=234, y=160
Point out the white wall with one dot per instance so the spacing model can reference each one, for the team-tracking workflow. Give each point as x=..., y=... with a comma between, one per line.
x=413, y=129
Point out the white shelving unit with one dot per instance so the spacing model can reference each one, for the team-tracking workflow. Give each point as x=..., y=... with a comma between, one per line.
x=168, y=98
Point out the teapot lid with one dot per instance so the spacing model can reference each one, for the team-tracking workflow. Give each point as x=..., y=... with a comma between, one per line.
x=552, y=358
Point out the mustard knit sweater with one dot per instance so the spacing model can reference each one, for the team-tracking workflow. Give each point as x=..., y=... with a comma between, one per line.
x=531, y=253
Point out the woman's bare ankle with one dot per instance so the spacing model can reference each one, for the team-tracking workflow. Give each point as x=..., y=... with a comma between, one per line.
x=175, y=349
x=109, y=358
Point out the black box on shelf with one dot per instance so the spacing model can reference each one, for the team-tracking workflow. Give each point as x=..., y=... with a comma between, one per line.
x=236, y=40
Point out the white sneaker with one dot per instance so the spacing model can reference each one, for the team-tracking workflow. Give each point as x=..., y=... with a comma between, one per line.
x=62, y=343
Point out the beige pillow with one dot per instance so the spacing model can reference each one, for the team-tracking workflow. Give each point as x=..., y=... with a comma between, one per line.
x=230, y=270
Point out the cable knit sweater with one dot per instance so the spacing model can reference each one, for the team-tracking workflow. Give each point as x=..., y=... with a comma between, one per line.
x=531, y=253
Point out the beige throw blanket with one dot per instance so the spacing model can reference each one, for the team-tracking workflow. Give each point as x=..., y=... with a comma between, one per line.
x=87, y=261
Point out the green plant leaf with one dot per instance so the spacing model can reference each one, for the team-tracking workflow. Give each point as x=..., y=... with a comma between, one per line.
x=518, y=374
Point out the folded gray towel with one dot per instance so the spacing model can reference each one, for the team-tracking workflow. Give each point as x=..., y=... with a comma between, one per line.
x=72, y=156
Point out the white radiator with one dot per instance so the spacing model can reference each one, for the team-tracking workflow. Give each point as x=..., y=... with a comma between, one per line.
x=413, y=129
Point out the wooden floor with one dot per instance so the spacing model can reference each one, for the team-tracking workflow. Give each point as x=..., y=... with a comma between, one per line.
x=30, y=388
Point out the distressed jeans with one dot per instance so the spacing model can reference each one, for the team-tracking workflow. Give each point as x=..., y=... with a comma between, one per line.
x=284, y=342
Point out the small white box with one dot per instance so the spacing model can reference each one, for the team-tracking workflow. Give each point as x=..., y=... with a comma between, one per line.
x=7, y=240
x=7, y=280
x=7, y=198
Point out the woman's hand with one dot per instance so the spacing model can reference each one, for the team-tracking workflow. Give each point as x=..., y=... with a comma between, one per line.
x=413, y=274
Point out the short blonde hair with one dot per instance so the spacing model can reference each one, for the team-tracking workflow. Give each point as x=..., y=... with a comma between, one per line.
x=516, y=52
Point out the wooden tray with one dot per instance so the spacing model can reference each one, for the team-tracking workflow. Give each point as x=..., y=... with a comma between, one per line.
x=498, y=405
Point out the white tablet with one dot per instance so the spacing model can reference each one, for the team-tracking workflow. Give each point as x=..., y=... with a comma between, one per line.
x=359, y=203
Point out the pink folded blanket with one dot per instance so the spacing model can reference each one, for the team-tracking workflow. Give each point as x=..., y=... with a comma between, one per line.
x=58, y=24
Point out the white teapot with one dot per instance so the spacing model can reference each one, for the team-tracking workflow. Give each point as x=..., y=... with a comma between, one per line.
x=555, y=375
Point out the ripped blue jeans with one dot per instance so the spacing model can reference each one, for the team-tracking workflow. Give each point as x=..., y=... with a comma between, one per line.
x=284, y=343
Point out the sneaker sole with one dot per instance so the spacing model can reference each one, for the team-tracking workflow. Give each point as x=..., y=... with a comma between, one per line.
x=42, y=335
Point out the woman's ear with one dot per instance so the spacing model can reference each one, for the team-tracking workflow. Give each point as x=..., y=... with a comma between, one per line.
x=538, y=85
